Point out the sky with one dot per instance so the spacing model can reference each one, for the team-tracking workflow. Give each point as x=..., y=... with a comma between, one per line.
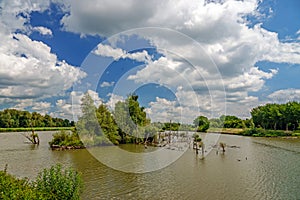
x=183, y=58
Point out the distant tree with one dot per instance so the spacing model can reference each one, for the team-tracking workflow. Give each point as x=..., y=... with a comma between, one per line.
x=202, y=123
x=216, y=123
x=173, y=126
x=12, y=118
x=248, y=123
x=230, y=121
x=277, y=116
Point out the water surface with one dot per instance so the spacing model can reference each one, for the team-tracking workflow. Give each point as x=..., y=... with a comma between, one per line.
x=261, y=168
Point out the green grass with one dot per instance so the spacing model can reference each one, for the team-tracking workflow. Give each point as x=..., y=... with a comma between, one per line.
x=234, y=131
x=35, y=129
x=255, y=132
x=259, y=132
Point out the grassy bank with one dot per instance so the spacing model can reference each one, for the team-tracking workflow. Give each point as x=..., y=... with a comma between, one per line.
x=232, y=131
x=35, y=129
x=255, y=132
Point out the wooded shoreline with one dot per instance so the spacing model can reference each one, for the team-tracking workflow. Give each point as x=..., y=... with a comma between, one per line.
x=22, y=129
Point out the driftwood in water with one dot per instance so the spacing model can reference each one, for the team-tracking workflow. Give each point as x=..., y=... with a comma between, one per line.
x=223, y=145
x=33, y=137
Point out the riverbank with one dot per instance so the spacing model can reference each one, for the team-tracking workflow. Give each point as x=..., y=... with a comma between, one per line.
x=22, y=129
x=255, y=132
x=230, y=131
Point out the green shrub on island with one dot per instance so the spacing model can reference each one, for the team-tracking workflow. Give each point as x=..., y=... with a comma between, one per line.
x=54, y=183
x=66, y=138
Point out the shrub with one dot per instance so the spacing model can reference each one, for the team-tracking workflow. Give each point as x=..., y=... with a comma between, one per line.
x=13, y=188
x=54, y=183
x=259, y=132
x=64, y=138
x=197, y=138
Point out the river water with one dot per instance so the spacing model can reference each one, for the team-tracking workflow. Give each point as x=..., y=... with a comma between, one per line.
x=259, y=168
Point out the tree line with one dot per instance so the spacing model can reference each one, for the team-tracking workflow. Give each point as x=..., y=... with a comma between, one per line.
x=12, y=118
x=128, y=122
x=270, y=116
x=277, y=116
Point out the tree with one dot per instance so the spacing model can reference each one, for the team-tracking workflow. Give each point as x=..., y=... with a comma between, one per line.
x=107, y=124
x=87, y=125
x=12, y=118
x=202, y=123
x=131, y=118
x=230, y=121
x=122, y=118
x=277, y=116
x=171, y=126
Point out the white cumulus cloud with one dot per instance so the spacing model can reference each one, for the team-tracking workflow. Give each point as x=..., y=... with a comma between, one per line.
x=42, y=30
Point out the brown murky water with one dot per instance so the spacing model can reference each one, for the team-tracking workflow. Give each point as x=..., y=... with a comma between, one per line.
x=262, y=168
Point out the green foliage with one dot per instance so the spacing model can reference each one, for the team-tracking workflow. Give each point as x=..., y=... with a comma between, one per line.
x=98, y=126
x=87, y=125
x=186, y=127
x=64, y=138
x=197, y=138
x=51, y=184
x=259, y=132
x=35, y=129
x=232, y=122
x=215, y=123
x=202, y=123
x=55, y=183
x=277, y=116
x=12, y=188
x=12, y=118
x=171, y=126
x=229, y=121
x=107, y=123
x=131, y=120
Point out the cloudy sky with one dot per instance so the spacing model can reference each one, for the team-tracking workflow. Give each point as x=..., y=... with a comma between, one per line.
x=183, y=58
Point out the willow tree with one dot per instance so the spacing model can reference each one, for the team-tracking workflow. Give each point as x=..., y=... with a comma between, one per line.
x=202, y=123
x=87, y=124
x=108, y=125
x=131, y=119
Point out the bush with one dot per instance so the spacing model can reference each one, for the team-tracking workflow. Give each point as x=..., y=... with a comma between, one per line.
x=13, y=188
x=197, y=138
x=64, y=138
x=53, y=183
x=259, y=132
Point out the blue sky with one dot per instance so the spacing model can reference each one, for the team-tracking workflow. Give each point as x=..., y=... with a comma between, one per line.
x=213, y=58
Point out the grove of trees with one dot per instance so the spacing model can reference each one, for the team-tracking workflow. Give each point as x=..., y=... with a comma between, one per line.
x=277, y=116
x=230, y=121
x=12, y=118
x=128, y=122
